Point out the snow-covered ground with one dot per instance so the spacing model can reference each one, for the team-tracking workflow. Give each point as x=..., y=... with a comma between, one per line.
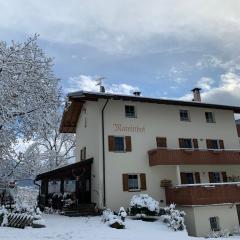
x=92, y=228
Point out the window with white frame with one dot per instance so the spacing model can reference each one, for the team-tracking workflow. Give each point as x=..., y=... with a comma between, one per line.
x=209, y=117
x=184, y=115
x=130, y=111
x=214, y=223
x=133, y=182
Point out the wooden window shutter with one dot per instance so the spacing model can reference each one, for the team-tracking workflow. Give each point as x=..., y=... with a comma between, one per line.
x=209, y=143
x=125, y=182
x=84, y=153
x=221, y=144
x=143, y=181
x=197, y=177
x=161, y=142
x=128, y=144
x=181, y=142
x=224, y=176
x=81, y=154
x=111, y=143
x=211, y=177
x=195, y=143
x=183, y=178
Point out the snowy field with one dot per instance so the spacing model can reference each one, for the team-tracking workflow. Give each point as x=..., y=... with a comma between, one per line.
x=60, y=227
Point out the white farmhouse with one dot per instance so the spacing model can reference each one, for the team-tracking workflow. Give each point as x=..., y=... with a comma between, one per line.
x=186, y=152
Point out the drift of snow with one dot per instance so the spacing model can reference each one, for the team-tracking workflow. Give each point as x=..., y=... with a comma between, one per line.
x=91, y=228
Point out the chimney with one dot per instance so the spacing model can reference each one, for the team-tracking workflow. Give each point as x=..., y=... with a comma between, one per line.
x=196, y=94
x=137, y=93
x=102, y=89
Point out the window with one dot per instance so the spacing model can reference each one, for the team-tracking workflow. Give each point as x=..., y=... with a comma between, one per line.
x=184, y=115
x=54, y=187
x=209, y=117
x=185, y=142
x=119, y=143
x=133, y=182
x=215, y=144
x=214, y=223
x=215, y=177
x=130, y=111
x=190, y=178
x=69, y=186
x=161, y=142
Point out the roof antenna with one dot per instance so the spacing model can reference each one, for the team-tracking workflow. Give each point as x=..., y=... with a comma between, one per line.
x=99, y=81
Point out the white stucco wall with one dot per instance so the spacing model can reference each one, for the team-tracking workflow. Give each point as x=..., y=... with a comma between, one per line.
x=157, y=120
x=197, y=218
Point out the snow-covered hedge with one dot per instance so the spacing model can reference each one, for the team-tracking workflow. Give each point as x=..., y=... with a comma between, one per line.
x=112, y=220
x=143, y=205
x=173, y=218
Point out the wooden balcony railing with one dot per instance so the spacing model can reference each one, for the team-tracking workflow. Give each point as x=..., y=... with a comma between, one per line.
x=203, y=194
x=190, y=157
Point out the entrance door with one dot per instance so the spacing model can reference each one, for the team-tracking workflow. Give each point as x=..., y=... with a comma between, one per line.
x=83, y=190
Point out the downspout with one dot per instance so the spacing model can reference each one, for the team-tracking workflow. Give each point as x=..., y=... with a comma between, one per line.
x=103, y=154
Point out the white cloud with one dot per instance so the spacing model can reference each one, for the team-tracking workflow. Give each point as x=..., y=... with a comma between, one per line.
x=205, y=83
x=227, y=92
x=125, y=26
x=88, y=83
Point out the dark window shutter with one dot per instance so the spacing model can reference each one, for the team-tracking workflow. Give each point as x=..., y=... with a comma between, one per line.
x=161, y=142
x=183, y=178
x=84, y=153
x=224, y=176
x=197, y=177
x=143, y=181
x=195, y=143
x=221, y=144
x=211, y=177
x=81, y=154
x=181, y=142
x=209, y=143
x=128, y=144
x=125, y=182
x=111, y=144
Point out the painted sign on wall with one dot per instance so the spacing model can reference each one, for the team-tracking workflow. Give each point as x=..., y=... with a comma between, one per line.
x=122, y=128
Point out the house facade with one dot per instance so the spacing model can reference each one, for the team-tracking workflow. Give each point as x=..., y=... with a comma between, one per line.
x=180, y=152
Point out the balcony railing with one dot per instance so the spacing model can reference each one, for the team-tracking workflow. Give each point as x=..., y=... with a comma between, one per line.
x=203, y=194
x=192, y=156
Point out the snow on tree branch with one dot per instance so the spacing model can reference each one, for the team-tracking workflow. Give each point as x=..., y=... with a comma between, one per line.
x=29, y=93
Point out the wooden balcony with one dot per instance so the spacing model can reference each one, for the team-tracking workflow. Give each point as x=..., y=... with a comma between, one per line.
x=190, y=157
x=203, y=194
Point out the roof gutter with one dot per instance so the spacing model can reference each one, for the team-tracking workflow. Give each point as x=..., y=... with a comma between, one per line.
x=103, y=154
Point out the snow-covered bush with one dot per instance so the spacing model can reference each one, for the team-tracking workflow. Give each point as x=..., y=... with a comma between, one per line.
x=174, y=218
x=219, y=234
x=25, y=199
x=3, y=216
x=122, y=213
x=112, y=220
x=143, y=205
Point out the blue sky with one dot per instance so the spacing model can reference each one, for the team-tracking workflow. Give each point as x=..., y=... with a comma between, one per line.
x=164, y=48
